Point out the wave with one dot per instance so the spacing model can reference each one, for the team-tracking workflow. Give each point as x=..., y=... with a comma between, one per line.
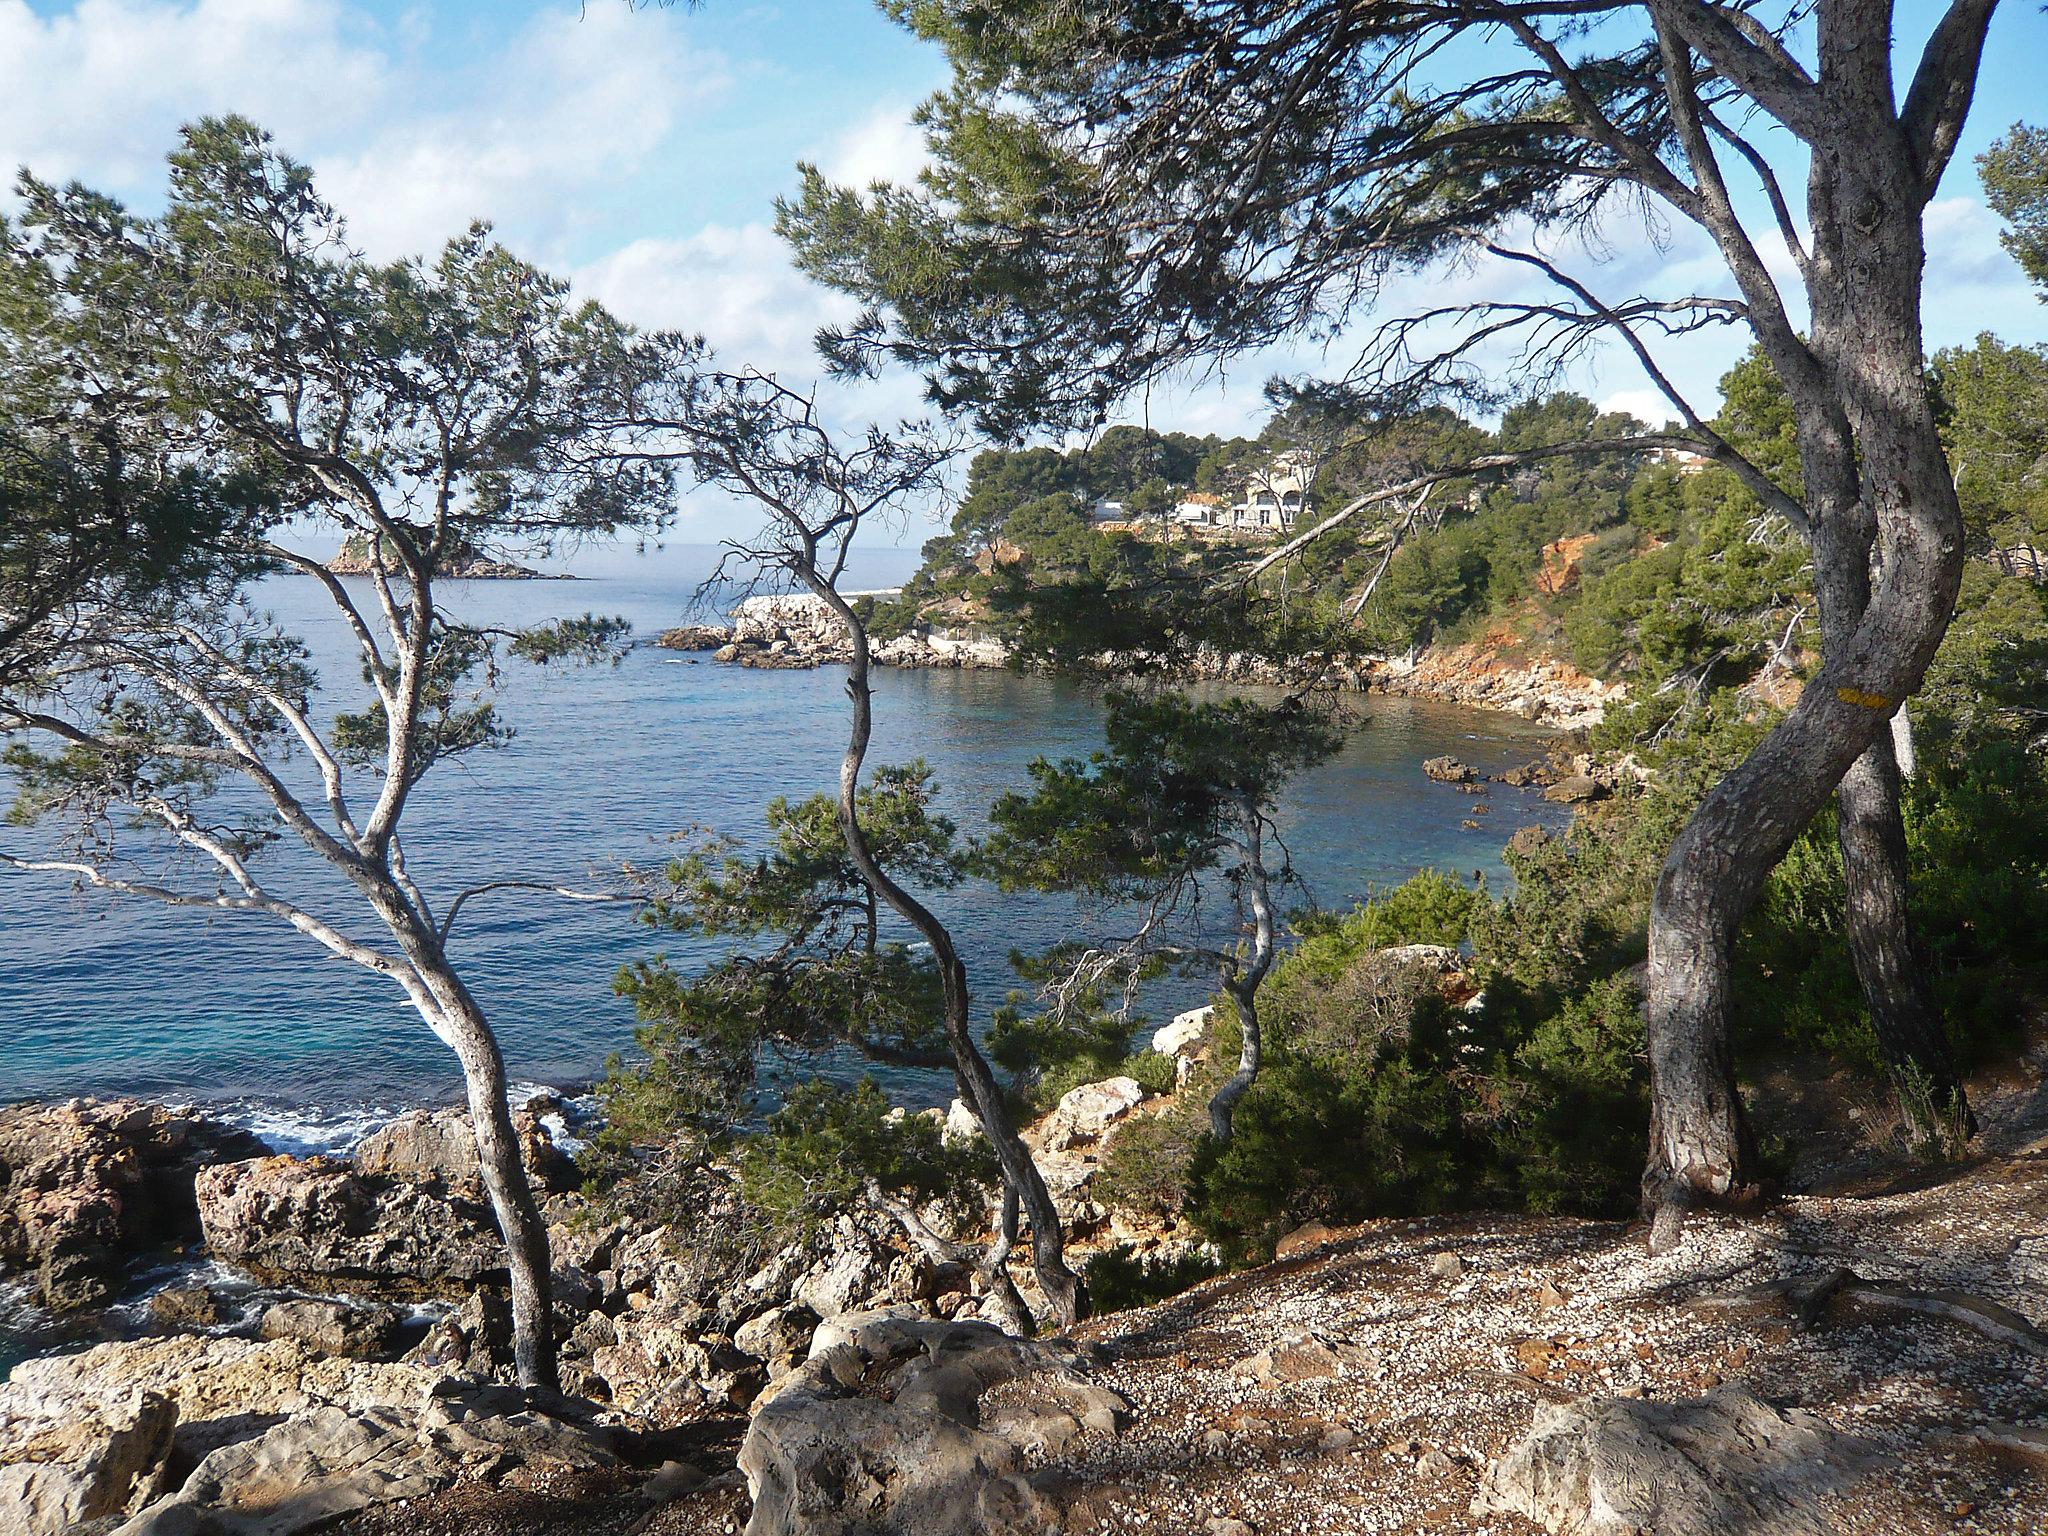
x=336, y=1130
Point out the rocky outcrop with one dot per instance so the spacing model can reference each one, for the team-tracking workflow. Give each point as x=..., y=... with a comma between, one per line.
x=1726, y=1462
x=331, y=1462
x=920, y=1428
x=334, y=1327
x=353, y=559
x=796, y=630
x=86, y=1184
x=1448, y=770
x=320, y=1222
x=439, y=1146
x=71, y=1458
x=694, y=637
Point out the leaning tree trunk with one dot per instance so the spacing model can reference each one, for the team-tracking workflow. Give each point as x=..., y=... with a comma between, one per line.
x=1864, y=418
x=461, y=1023
x=1243, y=986
x=1064, y=1290
x=1871, y=831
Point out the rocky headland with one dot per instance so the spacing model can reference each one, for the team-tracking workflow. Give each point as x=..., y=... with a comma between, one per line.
x=1867, y=1359
x=797, y=630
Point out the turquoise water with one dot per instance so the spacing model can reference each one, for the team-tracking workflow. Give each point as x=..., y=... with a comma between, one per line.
x=236, y=1010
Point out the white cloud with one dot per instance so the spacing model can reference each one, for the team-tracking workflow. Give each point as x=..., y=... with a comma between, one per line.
x=534, y=136
x=1648, y=405
x=733, y=285
x=536, y=130
x=98, y=92
x=883, y=146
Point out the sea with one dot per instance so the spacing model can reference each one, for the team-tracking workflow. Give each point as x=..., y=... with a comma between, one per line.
x=608, y=766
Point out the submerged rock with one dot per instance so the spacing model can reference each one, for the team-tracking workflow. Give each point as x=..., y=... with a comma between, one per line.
x=86, y=1184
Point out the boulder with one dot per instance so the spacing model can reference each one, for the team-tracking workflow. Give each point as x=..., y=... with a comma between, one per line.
x=668, y=1362
x=779, y=1337
x=224, y=1389
x=1303, y=1358
x=318, y=1222
x=853, y=1272
x=1528, y=840
x=962, y=1123
x=1085, y=1114
x=70, y=1456
x=1449, y=770
x=1184, y=1036
x=86, y=1184
x=194, y=1307
x=334, y=1327
x=439, y=1146
x=330, y=1462
x=1576, y=789
x=917, y=1427
x=1699, y=1467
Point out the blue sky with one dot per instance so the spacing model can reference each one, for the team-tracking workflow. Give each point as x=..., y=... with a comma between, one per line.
x=639, y=151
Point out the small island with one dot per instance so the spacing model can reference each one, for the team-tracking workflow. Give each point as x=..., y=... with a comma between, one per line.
x=354, y=560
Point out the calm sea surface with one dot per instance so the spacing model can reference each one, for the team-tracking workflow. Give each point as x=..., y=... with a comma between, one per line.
x=236, y=1010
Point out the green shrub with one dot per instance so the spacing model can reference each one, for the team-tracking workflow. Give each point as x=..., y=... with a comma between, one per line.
x=1120, y=1279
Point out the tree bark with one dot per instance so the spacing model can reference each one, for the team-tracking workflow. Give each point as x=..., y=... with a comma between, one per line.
x=1243, y=986
x=1890, y=964
x=1877, y=479
x=1064, y=1290
x=524, y=1229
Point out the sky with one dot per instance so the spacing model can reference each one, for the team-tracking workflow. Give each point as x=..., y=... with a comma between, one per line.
x=638, y=150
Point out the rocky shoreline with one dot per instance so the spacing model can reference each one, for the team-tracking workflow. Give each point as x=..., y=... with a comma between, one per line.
x=1505, y=1373
x=797, y=631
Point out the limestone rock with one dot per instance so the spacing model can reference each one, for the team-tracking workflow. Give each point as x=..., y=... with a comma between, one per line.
x=1304, y=1358
x=331, y=1462
x=439, y=1145
x=916, y=1427
x=224, y=1389
x=87, y=1183
x=69, y=1457
x=962, y=1123
x=779, y=1337
x=1449, y=770
x=1310, y=1234
x=334, y=1327
x=1576, y=789
x=317, y=1220
x=1702, y=1467
x=1184, y=1036
x=694, y=637
x=1086, y=1114
x=196, y=1307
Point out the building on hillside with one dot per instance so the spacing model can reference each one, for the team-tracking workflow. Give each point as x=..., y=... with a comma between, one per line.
x=1107, y=511
x=1199, y=509
x=1688, y=462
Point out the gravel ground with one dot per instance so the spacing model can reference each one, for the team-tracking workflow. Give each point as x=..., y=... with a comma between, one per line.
x=1365, y=1384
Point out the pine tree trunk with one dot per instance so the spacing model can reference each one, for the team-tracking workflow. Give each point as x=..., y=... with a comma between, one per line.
x=1890, y=966
x=1243, y=985
x=510, y=1190
x=1064, y=1290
